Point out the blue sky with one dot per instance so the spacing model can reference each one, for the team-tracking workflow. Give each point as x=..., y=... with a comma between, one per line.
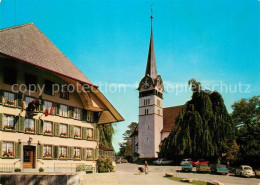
x=213, y=41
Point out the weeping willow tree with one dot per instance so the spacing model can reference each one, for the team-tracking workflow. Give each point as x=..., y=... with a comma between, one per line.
x=106, y=132
x=203, y=128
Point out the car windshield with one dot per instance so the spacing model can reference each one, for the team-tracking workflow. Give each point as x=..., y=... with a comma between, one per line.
x=221, y=166
x=247, y=168
x=187, y=164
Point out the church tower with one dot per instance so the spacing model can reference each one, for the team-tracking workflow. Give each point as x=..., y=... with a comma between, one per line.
x=150, y=107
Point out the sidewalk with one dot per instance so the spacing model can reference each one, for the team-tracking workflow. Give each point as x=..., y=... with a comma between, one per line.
x=99, y=179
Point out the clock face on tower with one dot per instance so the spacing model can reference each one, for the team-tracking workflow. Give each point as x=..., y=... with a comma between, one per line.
x=147, y=83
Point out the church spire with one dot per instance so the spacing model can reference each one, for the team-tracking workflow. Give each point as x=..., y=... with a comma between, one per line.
x=151, y=69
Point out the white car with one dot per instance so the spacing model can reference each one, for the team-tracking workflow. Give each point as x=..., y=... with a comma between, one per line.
x=185, y=161
x=162, y=161
x=246, y=171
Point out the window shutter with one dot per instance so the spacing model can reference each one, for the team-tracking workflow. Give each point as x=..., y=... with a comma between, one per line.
x=96, y=154
x=84, y=133
x=57, y=109
x=71, y=150
x=56, y=129
x=1, y=147
x=56, y=152
x=16, y=102
x=71, y=131
x=17, y=123
x=39, y=151
x=96, y=116
x=96, y=134
x=83, y=153
x=21, y=124
x=41, y=106
x=18, y=150
x=1, y=96
x=39, y=126
x=71, y=113
x=1, y=121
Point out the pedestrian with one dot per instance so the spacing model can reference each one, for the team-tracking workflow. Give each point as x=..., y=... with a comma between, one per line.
x=146, y=167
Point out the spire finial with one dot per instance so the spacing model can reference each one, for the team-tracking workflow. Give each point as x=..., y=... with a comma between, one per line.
x=151, y=12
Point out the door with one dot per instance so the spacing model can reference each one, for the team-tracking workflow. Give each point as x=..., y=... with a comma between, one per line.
x=28, y=157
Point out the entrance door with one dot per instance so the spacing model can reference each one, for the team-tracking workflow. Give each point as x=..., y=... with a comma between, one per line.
x=28, y=157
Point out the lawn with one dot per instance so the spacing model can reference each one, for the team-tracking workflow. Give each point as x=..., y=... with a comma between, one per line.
x=195, y=182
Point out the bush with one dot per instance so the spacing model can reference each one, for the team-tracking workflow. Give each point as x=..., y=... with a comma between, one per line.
x=17, y=170
x=105, y=165
x=41, y=169
x=80, y=167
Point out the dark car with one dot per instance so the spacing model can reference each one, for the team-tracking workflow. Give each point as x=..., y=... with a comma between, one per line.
x=187, y=167
x=219, y=168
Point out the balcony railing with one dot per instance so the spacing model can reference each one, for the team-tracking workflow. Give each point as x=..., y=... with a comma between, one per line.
x=6, y=167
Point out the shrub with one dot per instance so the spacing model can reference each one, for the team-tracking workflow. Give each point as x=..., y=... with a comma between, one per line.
x=17, y=170
x=105, y=165
x=41, y=169
x=80, y=168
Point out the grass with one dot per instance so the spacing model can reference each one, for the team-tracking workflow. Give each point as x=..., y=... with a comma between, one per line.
x=195, y=182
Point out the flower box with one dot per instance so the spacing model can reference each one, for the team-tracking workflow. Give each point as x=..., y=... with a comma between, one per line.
x=64, y=134
x=9, y=102
x=47, y=155
x=49, y=132
x=29, y=130
x=8, y=154
x=8, y=127
x=63, y=156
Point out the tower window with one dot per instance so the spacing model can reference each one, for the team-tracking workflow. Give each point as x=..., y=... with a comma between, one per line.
x=147, y=139
x=158, y=102
x=148, y=101
x=159, y=112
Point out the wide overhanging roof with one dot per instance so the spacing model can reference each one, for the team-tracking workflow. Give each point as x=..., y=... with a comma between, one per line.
x=27, y=43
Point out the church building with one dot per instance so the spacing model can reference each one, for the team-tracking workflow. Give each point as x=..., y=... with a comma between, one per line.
x=155, y=122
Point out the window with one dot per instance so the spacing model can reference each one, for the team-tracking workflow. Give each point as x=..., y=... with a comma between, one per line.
x=63, y=152
x=9, y=122
x=64, y=93
x=28, y=100
x=9, y=98
x=64, y=110
x=10, y=76
x=30, y=82
x=47, y=151
x=48, y=129
x=90, y=133
x=29, y=125
x=48, y=88
x=148, y=101
x=159, y=112
x=77, y=132
x=89, y=153
x=63, y=130
x=146, y=111
x=158, y=102
x=76, y=153
x=77, y=113
x=8, y=149
x=90, y=117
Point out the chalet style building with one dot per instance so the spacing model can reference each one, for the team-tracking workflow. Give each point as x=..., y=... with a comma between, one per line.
x=42, y=126
x=155, y=122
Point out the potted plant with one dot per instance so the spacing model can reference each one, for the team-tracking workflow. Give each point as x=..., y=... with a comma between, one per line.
x=17, y=170
x=29, y=129
x=49, y=132
x=9, y=102
x=8, y=127
x=64, y=134
x=41, y=169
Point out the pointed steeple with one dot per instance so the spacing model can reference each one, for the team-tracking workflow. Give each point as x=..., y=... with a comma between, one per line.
x=151, y=69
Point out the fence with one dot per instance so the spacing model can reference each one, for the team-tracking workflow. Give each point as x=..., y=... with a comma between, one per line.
x=6, y=167
x=110, y=154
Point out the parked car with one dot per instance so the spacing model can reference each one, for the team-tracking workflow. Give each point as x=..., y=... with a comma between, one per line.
x=200, y=161
x=184, y=161
x=121, y=160
x=187, y=167
x=246, y=171
x=162, y=161
x=203, y=168
x=219, y=168
x=257, y=172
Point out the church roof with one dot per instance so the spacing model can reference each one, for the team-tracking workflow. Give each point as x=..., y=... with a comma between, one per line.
x=151, y=69
x=28, y=44
x=169, y=116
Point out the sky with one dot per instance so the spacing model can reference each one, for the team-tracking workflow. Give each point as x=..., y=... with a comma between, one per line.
x=217, y=42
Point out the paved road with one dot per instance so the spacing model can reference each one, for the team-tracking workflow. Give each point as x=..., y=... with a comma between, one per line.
x=126, y=176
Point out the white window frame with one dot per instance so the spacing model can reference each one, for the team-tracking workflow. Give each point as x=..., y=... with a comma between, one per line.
x=48, y=123
x=64, y=110
x=76, y=152
x=9, y=97
x=62, y=126
x=77, y=113
x=6, y=147
x=47, y=148
x=87, y=153
x=90, y=116
x=63, y=152
x=7, y=122
x=88, y=133
x=76, y=128
x=28, y=125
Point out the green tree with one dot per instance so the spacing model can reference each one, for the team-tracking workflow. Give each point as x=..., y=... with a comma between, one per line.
x=246, y=116
x=126, y=146
x=203, y=128
x=106, y=132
